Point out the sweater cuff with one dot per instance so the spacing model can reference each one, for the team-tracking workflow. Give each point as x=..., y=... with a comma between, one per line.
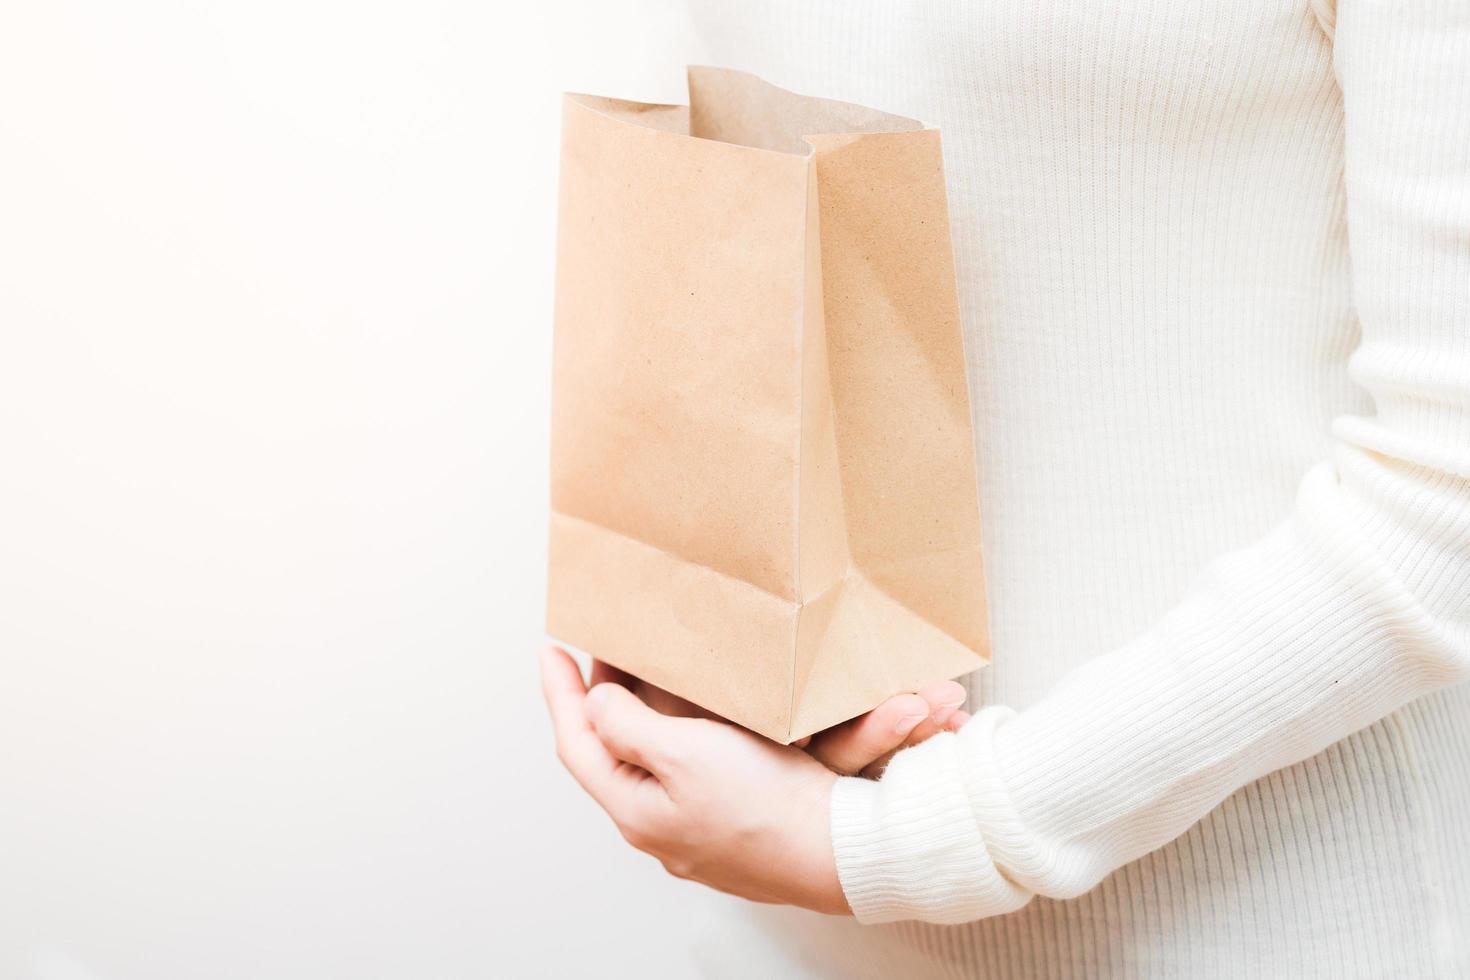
x=911, y=846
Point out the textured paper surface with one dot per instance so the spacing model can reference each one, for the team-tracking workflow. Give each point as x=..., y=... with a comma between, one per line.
x=762, y=476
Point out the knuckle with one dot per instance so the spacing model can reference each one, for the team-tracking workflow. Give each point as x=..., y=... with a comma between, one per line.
x=694, y=741
x=638, y=834
x=679, y=867
x=666, y=827
x=652, y=832
x=668, y=753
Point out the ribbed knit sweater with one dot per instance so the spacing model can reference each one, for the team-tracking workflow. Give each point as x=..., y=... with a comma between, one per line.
x=1214, y=262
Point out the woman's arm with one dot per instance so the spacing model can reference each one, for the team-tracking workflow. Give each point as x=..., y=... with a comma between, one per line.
x=1352, y=606
x=716, y=803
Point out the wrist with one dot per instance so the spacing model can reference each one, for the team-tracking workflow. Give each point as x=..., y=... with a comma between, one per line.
x=823, y=886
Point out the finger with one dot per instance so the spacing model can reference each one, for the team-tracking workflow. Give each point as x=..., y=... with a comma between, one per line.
x=669, y=704
x=560, y=677
x=655, y=697
x=597, y=770
x=630, y=730
x=851, y=746
x=603, y=673
x=874, y=770
x=944, y=698
x=921, y=733
x=926, y=729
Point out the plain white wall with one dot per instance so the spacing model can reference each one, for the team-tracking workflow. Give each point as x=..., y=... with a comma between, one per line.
x=274, y=333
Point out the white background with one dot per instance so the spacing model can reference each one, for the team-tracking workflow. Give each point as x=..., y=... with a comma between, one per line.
x=275, y=288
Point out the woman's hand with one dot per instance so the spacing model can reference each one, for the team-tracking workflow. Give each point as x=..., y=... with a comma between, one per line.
x=713, y=802
x=864, y=745
x=860, y=746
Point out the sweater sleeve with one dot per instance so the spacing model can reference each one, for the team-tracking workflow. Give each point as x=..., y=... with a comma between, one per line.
x=1356, y=603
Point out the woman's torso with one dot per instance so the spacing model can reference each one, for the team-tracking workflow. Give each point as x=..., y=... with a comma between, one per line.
x=1151, y=247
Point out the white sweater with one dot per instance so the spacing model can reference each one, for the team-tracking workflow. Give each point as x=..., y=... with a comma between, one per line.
x=1215, y=272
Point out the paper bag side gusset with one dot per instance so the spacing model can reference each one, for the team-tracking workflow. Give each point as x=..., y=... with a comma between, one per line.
x=911, y=608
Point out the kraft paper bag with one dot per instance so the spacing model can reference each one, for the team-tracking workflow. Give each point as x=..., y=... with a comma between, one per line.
x=763, y=483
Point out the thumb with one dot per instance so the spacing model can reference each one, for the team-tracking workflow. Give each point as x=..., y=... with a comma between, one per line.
x=854, y=745
x=631, y=730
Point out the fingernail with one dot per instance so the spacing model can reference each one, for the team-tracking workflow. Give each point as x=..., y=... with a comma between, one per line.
x=943, y=713
x=907, y=724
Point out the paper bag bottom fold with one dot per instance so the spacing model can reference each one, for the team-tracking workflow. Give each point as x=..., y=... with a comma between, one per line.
x=782, y=668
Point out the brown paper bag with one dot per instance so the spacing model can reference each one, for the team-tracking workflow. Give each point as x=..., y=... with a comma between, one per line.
x=762, y=470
